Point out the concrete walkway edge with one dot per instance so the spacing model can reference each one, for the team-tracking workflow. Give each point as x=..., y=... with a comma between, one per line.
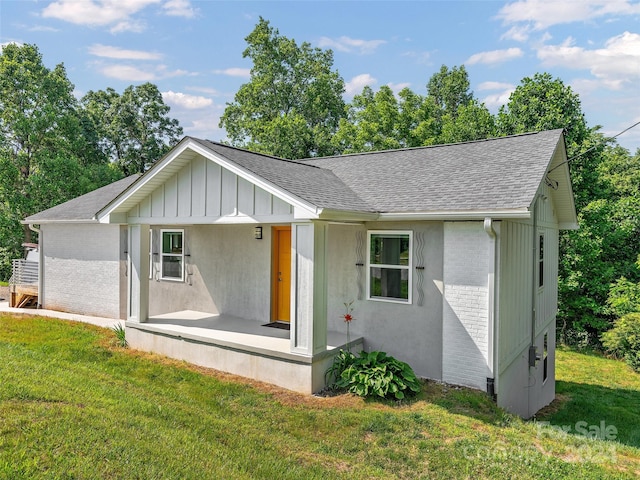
x=99, y=321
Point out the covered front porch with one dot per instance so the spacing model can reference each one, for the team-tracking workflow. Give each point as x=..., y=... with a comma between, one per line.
x=216, y=313
x=235, y=345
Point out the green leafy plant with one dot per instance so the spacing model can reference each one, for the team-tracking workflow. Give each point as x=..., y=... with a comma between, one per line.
x=623, y=340
x=377, y=374
x=121, y=339
x=343, y=360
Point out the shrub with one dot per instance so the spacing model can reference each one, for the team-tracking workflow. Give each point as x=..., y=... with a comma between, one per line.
x=374, y=374
x=623, y=340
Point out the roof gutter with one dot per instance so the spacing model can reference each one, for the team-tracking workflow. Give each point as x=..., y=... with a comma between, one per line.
x=457, y=215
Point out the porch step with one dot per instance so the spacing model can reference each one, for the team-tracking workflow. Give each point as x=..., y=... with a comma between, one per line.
x=23, y=300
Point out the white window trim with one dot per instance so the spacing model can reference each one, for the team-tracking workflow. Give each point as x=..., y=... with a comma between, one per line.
x=162, y=255
x=409, y=267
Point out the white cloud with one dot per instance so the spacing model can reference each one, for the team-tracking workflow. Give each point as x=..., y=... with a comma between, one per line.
x=207, y=90
x=42, y=28
x=494, y=56
x=122, y=54
x=423, y=58
x=398, y=87
x=357, y=83
x=501, y=96
x=184, y=100
x=494, y=101
x=541, y=14
x=234, y=72
x=347, y=44
x=517, y=33
x=494, y=86
x=10, y=42
x=128, y=73
x=615, y=65
x=179, y=8
x=98, y=12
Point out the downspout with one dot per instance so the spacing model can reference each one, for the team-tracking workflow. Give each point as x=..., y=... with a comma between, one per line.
x=40, y=264
x=492, y=381
x=533, y=353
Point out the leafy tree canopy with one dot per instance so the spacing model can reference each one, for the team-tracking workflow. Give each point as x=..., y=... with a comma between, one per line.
x=292, y=105
x=133, y=129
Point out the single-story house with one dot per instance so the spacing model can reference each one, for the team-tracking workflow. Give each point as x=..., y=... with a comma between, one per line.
x=243, y=262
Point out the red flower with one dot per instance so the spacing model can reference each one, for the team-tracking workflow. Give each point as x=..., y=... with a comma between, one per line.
x=347, y=317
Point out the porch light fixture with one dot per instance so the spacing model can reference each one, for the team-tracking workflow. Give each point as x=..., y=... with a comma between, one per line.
x=257, y=233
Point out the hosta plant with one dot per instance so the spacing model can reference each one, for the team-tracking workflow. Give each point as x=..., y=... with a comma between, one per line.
x=376, y=374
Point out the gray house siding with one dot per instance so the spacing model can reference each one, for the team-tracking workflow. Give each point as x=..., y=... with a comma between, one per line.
x=227, y=271
x=411, y=333
x=82, y=268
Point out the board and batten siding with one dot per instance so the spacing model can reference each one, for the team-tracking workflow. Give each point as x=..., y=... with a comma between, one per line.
x=465, y=335
x=517, y=274
x=203, y=192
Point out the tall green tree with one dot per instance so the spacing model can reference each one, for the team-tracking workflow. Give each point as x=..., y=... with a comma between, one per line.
x=382, y=121
x=41, y=132
x=450, y=89
x=133, y=129
x=605, y=184
x=472, y=121
x=292, y=104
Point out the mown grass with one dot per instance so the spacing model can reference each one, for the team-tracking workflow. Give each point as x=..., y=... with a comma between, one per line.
x=74, y=405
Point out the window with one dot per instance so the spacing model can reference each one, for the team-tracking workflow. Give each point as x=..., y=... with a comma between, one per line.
x=540, y=260
x=389, y=266
x=172, y=262
x=545, y=360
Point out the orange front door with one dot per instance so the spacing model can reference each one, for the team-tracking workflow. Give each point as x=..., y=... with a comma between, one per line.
x=281, y=274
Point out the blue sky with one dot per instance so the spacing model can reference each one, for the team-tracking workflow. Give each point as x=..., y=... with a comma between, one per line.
x=193, y=49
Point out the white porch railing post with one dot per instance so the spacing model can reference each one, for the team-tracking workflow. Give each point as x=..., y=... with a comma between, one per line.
x=138, y=259
x=308, y=288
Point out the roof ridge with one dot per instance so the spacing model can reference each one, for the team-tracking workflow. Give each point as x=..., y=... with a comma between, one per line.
x=244, y=150
x=425, y=147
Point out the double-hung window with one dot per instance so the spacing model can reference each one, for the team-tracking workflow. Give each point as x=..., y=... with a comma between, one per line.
x=172, y=262
x=389, y=265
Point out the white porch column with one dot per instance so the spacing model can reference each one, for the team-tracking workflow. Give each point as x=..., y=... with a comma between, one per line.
x=308, y=288
x=138, y=308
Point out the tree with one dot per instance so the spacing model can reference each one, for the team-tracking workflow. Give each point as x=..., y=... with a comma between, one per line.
x=472, y=121
x=597, y=262
x=41, y=132
x=449, y=90
x=382, y=121
x=292, y=105
x=133, y=129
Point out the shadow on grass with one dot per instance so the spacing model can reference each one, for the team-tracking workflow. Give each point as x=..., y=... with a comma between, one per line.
x=593, y=409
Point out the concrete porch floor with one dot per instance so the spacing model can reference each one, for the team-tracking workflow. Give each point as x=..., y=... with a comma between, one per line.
x=230, y=331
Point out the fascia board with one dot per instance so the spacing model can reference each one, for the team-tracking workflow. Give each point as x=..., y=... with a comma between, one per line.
x=103, y=215
x=457, y=215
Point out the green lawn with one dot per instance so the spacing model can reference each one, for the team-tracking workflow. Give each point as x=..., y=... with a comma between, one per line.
x=73, y=405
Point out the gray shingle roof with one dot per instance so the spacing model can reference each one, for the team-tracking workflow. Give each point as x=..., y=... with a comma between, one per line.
x=318, y=186
x=85, y=207
x=483, y=176
x=494, y=174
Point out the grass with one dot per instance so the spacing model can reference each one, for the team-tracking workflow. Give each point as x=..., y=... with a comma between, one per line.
x=3, y=283
x=75, y=405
